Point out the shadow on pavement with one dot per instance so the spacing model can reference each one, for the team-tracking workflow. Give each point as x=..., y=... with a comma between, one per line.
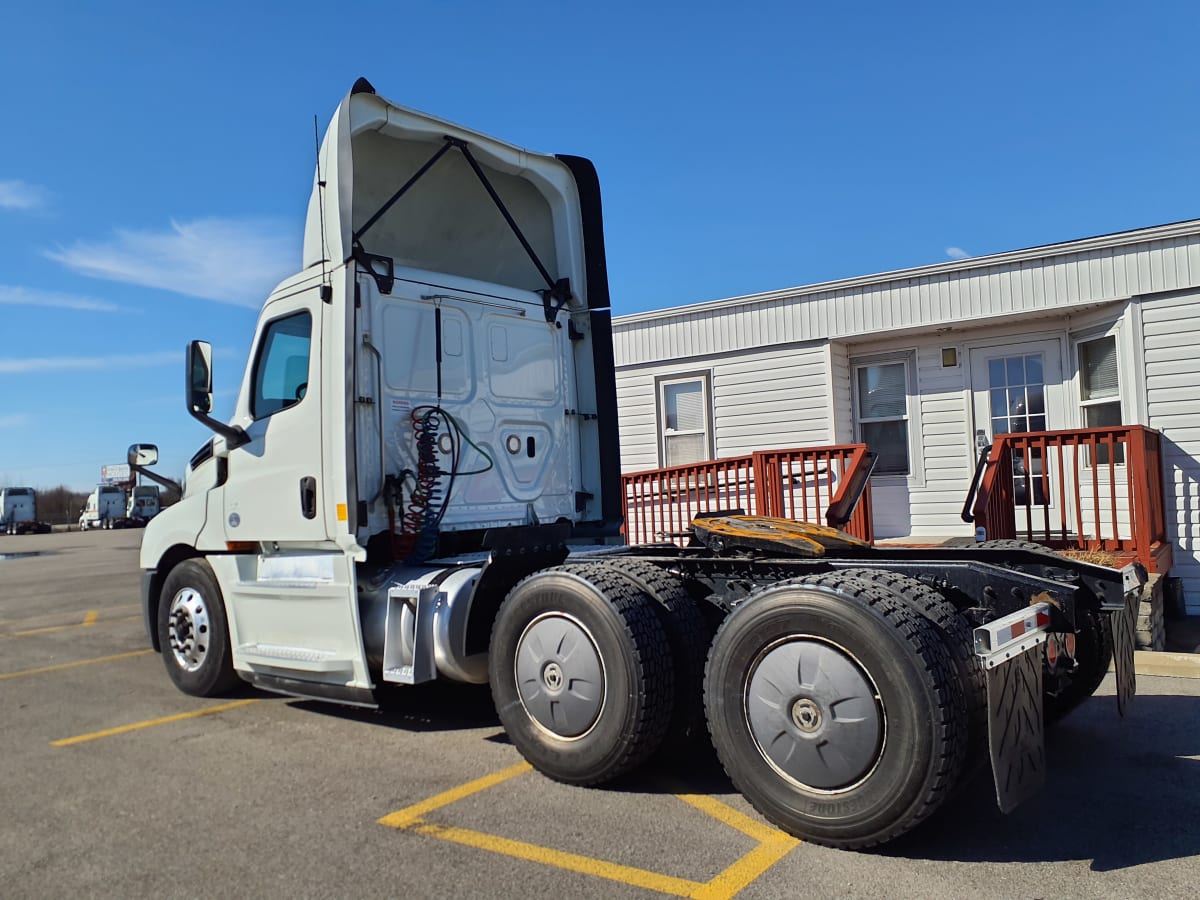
x=1119, y=792
x=437, y=706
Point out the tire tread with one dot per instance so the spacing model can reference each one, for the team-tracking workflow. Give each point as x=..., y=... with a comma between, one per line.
x=948, y=700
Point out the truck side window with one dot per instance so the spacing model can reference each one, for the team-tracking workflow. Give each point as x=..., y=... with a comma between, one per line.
x=281, y=369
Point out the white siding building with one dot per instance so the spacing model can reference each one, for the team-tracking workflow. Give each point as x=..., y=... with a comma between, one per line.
x=1090, y=333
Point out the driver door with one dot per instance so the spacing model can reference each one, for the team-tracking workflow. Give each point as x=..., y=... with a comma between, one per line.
x=275, y=474
x=289, y=587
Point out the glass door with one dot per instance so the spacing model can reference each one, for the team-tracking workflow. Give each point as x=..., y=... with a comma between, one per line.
x=1017, y=388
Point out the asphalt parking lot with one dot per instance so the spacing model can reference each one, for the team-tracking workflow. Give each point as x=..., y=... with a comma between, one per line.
x=113, y=784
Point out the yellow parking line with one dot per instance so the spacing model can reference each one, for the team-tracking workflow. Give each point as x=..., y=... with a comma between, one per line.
x=746, y=870
x=72, y=665
x=92, y=619
x=715, y=809
x=404, y=817
x=772, y=845
x=150, y=723
x=664, y=884
x=30, y=620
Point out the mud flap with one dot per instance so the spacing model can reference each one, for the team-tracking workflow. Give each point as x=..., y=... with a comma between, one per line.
x=1016, y=731
x=1122, y=624
x=1010, y=650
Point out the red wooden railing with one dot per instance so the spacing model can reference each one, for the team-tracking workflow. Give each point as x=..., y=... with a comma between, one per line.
x=1085, y=489
x=803, y=483
x=800, y=483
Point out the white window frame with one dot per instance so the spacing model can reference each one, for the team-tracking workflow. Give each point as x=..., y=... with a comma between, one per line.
x=661, y=383
x=1078, y=339
x=916, y=463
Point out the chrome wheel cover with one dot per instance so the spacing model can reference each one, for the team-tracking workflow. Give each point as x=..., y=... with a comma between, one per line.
x=188, y=629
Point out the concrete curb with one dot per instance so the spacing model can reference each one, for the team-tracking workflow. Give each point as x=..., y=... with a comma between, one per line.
x=1174, y=665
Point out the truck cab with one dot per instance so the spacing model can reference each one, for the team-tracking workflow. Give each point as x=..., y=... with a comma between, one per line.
x=17, y=507
x=436, y=382
x=104, y=506
x=143, y=503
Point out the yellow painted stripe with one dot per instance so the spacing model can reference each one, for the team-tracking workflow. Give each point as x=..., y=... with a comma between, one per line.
x=715, y=809
x=402, y=818
x=150, y=723
x=747, y=869
x=72, y=665
x=773, y=845
x=58, y=614
x=52, y=628
x=90, y=618
x=665, y=884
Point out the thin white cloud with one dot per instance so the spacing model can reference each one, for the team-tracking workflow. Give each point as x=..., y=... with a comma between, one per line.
x=76, y=363
x=17, y=420
x=227, y=260
x=14, y=295
x=957, y=253
x=21, y=195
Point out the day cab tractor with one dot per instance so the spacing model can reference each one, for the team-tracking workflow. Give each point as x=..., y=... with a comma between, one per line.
x=18, y=512
x=420, y=480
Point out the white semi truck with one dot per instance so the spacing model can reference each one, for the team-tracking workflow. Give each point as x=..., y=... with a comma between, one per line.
x=143, y=504
x=18, y=512
x=420, y=480
x=104, y=508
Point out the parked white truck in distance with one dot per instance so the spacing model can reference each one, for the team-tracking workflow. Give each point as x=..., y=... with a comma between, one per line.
x=104, y=507
x=143, y=504
x=18, y=512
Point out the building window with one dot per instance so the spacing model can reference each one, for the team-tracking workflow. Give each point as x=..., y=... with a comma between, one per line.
x=882, y=420
x=1100, y=389
x=685, y=432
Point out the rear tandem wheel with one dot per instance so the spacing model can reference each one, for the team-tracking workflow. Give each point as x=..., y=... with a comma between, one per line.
x=836, y=710
x=958, y=636
x=581, y=673
x=689, y=636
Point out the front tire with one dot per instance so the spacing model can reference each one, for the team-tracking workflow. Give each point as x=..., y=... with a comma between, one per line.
x=835, y=711
x=581, y=673
x=193, y=632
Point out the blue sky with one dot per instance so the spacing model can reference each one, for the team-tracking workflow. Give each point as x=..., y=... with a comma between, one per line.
x=156, y=160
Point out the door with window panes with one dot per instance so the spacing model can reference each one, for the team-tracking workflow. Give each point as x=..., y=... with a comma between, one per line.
x=1018, y=388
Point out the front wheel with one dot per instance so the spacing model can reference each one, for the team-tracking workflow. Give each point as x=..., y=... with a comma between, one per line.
x=836, y=711
x=193, y=633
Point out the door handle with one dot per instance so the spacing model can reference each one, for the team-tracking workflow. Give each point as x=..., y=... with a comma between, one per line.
x=308, y=497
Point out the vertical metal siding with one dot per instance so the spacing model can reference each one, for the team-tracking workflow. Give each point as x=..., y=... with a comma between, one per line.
x=1171, y=326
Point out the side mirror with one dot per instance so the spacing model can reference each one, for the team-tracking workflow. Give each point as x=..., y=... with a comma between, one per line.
x=199, y=374
x=143, y=455
x=200, y=394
